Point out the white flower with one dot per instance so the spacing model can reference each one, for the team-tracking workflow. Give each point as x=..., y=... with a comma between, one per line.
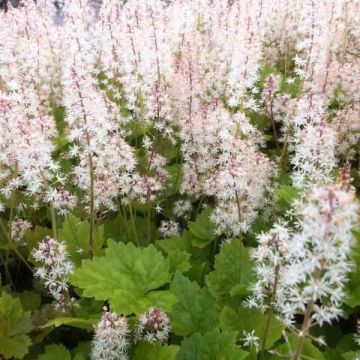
x=152, y=326
x=55, y=266
x=250, y=339
x=110, y=340
x=169, y=228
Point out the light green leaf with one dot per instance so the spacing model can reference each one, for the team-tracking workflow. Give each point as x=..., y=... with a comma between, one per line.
x=247, y=320
x=75, y=234
x=127, y=276
x=286, y=195
x=214, y=345
x=196, y=309
x=203, y=229
x=55, y=352
x=233, y=273
x=15, y=323
x=86, y=324
x=179, y=261
x=146, y=351
x=178, y=258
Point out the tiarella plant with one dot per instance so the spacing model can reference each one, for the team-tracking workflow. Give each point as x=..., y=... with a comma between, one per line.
x=179, y=179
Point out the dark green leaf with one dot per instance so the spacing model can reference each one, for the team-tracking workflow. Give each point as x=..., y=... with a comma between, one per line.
x=195, y=310
x=214, y=345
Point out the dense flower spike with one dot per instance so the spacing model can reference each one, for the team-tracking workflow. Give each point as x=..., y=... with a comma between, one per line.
x=111, y=338
x=54, y=268
x=152, y=326
x=318, y=255
x=270, y=256
x=18, y=229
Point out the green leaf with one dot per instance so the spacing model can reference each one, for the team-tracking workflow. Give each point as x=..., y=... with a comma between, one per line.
x=55, y=352
x=15, y=323
x=196, y=310
x=353, y=286
x=179, y=259
x=214, y=345
x=175, y=180
x=286, y=195
x=351, y=355
x=345, y=345
x=34, y=236
x=126, y=276
x=82, y=351
x=203, y=229
x=175, y=243
x=146, y=351
x=233, y=273
x=30, y=300
x=199, y=259
x=86, y=324
x=75, y=234
x=247, y=320
x=117, y=229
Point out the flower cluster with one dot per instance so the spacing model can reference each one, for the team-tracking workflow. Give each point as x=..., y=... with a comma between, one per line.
x=317, y=257
x=269, y=256
x=110, y=341
x=18, y=229
x=152, y=326
x=54, y=269
x=169, y=228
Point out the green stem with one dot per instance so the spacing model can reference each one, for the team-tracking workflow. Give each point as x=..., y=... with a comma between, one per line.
x=52, y=209
x=134, y=225
x=148, y=227
x=269, y=315
x=304, y=331
x=92, y=201
x=9, y=232
x=123, y=212
x=53, y=220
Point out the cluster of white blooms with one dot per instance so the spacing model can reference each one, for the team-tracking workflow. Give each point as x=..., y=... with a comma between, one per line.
x=318, y=255
x=54, y=269
x=304, y=270
x=269, y=257
x=169, y=228
x=61, y=199
x=346, y=124
x=29, y=81
x=222, y=159
x=25, y=150
x=110, y=341
x=18, y=228
x=152, y=326
x=182, y=209
x=314, y=142
x=186, y=72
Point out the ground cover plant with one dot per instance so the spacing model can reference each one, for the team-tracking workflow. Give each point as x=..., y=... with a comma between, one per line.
x=179, y=180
